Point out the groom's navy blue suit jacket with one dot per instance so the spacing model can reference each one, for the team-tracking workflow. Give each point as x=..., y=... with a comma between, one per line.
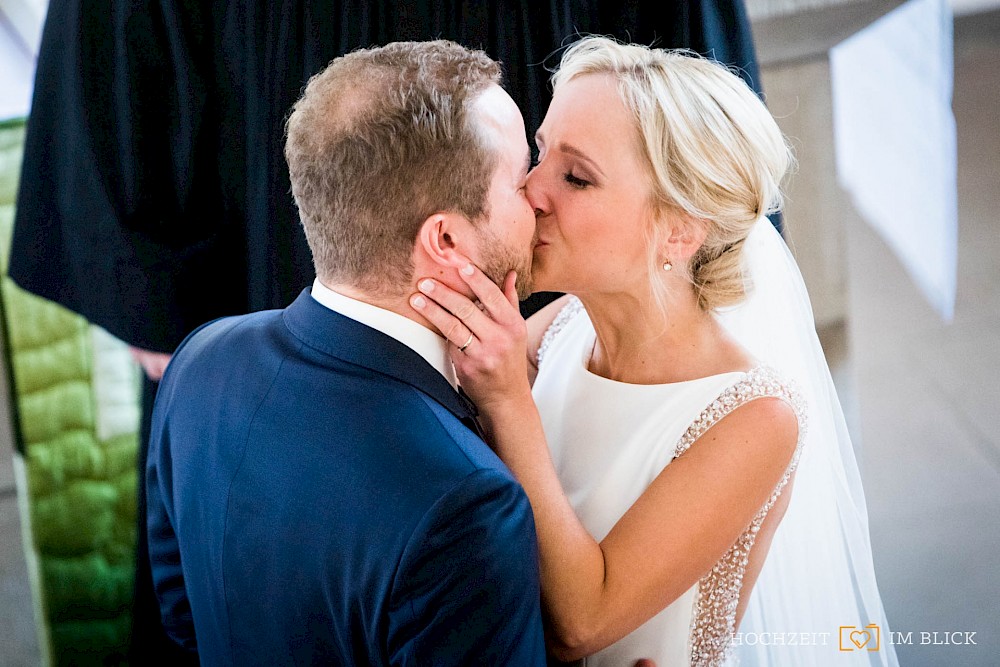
x=316, y=495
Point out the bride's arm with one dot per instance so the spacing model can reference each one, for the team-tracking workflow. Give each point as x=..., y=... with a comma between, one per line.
x=691, y=514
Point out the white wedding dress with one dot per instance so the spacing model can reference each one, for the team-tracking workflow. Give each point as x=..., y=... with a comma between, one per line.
x=610, y=439
x=817, y=590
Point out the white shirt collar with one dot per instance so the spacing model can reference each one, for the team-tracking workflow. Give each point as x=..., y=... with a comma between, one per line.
x=429, y=345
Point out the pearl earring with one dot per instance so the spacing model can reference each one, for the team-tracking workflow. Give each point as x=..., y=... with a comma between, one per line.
x=667, y=265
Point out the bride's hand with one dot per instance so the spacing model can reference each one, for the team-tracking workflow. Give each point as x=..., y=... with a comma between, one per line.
x=488, y=339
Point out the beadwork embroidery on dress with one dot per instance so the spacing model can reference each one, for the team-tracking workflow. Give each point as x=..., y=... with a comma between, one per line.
x=714, y=620
x=567, y=313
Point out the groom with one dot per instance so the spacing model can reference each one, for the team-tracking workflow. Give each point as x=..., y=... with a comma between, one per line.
x=317, y=489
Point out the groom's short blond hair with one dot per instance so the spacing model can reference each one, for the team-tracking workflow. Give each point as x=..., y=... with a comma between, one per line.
x=380, y=140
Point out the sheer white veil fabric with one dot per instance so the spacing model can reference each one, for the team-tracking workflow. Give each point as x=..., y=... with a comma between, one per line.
x=818, y=581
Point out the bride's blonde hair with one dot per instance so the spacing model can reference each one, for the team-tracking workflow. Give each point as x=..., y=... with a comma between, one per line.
x=714, y=153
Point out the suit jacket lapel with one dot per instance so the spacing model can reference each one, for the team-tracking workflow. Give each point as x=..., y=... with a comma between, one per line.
x=349, y=340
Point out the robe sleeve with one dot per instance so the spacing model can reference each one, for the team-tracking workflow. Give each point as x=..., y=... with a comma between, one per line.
x=119, y=214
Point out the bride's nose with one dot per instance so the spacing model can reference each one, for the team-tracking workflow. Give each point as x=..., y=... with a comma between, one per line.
x=535, y=193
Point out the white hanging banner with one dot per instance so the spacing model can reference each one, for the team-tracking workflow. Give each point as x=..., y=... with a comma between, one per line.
x=894, y=133
x=17, y=72
x=20, y=32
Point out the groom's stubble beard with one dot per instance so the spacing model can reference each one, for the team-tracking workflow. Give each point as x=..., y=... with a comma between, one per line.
x=497, y=259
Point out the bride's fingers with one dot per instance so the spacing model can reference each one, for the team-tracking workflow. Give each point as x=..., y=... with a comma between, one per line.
x=497, y=303
x=450, y=326
x=510, y=290
x=457, y=304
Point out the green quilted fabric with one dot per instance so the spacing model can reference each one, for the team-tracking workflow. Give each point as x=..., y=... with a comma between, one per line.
x=76, y=397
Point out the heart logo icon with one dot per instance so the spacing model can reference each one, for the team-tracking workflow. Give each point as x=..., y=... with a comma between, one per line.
x=860, y=638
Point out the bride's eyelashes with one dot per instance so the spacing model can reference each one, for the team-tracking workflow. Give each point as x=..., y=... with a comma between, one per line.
x=575, y=181
x=569, y=177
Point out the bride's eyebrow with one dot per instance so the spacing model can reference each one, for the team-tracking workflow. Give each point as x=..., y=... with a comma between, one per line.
x=571, y=150
x=576, y=152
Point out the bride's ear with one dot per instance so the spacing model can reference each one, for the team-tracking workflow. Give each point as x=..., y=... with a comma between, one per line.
x=683, y=236
x=446, y=239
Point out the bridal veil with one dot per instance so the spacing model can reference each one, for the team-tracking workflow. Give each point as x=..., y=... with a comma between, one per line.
x=816, y=602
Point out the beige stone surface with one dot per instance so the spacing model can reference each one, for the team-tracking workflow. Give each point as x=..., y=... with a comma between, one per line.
x=799, y=96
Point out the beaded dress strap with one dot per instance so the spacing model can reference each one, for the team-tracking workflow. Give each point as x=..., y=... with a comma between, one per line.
x=567, y=313
x=713, y=623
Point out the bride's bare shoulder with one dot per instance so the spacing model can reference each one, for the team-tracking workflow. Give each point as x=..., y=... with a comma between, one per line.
x=539, y=323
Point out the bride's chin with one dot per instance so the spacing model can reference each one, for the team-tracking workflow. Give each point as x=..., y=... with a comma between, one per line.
x=541, y=283
x=550, y=280
x=542, y=277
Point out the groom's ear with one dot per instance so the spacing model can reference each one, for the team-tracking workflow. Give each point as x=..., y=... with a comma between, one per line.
x=446, y=239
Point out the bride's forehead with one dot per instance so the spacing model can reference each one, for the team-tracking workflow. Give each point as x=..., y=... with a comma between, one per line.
x=590, y=101
x=597, y=87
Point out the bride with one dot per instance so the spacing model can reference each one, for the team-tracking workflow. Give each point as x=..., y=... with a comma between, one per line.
x=695, y=491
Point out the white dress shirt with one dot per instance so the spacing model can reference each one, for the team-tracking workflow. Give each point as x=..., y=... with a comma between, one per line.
x=429, y=345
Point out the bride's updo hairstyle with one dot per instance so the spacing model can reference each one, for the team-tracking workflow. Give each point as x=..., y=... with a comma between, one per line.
x=715, y=155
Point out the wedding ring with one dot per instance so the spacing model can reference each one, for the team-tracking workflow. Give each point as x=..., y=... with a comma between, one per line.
x=467, y=343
